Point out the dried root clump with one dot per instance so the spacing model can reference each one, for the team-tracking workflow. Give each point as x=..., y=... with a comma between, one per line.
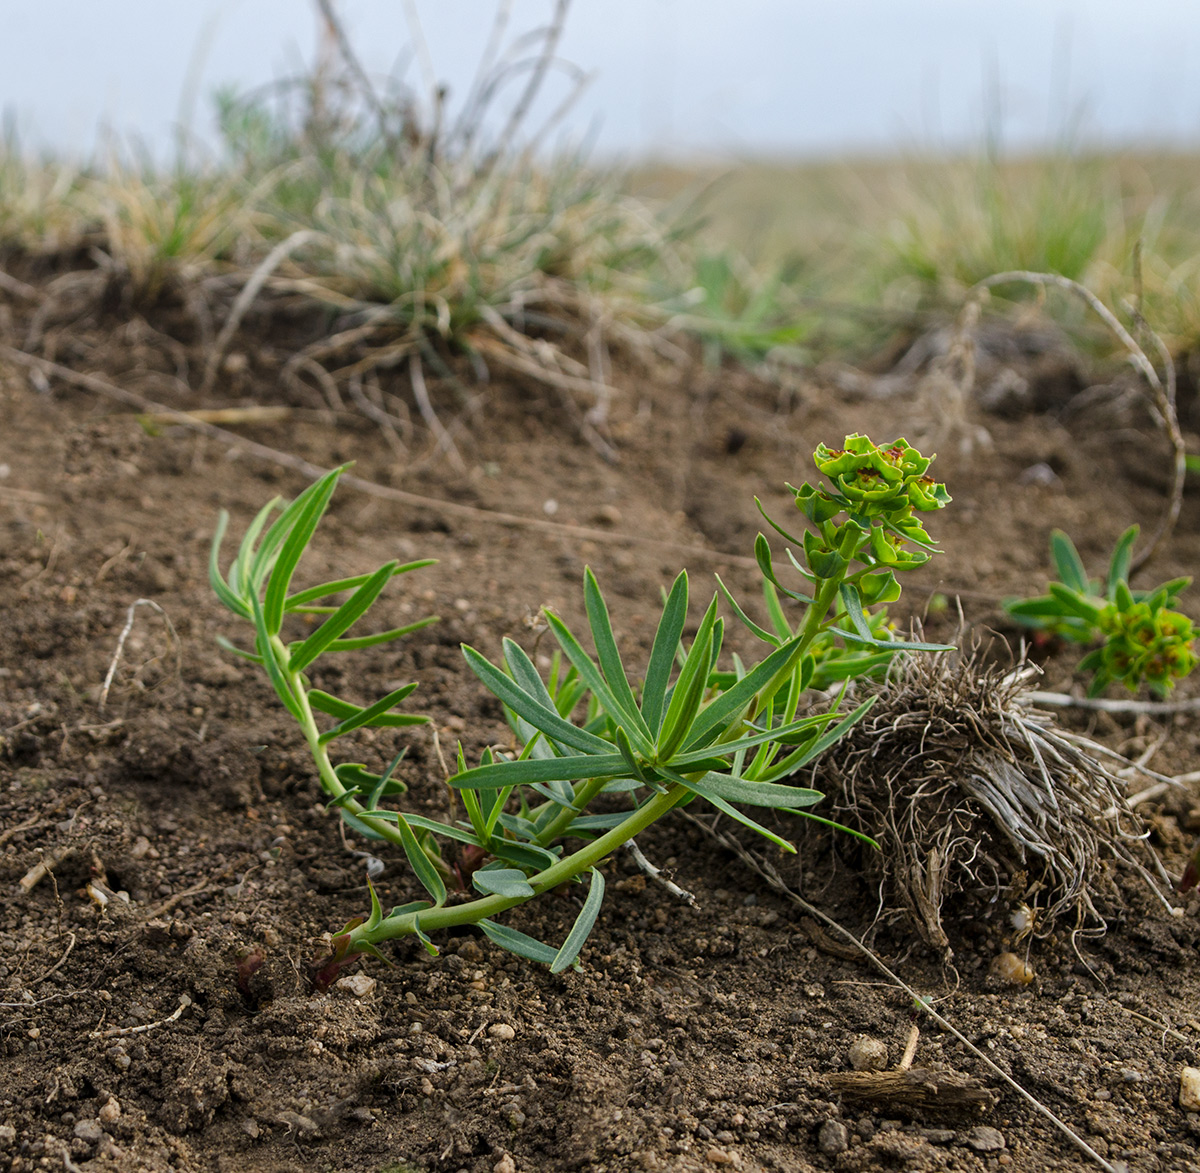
x=981, y=805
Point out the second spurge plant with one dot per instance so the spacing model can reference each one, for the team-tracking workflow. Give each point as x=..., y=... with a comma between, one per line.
x=686, y=731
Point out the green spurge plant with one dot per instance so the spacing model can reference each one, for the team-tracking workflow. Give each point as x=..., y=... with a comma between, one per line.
x=256, y=588
x=688, y=732
x=1144, y=638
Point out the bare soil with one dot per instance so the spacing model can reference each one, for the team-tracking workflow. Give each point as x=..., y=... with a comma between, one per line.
x=694, y=1037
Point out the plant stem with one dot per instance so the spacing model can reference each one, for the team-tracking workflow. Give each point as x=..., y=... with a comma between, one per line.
x=330, y=782
x=590, y=788
x=474, y=911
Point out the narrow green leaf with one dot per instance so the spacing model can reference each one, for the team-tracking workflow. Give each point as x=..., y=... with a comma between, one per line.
x=268, y=550
x=376, y=714
x=386, y=784
x=230, y=646
x=381, y=637
x=745, y=619
x=822, y=743
x=732, y=811
x=353, y=609
x=862, y=633
x=247, y=582
x=373, y=921
x=215, y=580
x=662, y=654
x=1071, y=571
x=470, y=800
x=420, y=863
x=325, y=589
x=766, y=566
x=573, y=945
x=522, y=773
x=608, y=653
x=767, y=794
x=517, y=699
x=627, y=752
x=1080, y=606
x=316, y=502
x=1118, y=567
x=326, y=703
x=777, y=528
x=508, y=882
x=720, y=714
x=689, y=688
x=519, y=943
x=594, y=679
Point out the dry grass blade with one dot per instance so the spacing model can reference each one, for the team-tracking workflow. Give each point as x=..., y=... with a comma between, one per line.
x=976, y=799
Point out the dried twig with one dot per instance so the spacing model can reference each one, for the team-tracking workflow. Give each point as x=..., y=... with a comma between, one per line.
x=656, y=874
x=112, y=668
x=121, y=1032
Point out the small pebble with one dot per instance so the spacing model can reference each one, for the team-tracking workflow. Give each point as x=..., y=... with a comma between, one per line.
x=89, y=1130
x=505, y=1165
x=119, y=1059
x=716, y=1156
x=985, y=1140
x=361, y=985
x=867, y=1054
x=607, y=515
x=1189, y=1089
x=110, y=1113
x=501, y=1030
x=833, y=1138
x=8, y=1135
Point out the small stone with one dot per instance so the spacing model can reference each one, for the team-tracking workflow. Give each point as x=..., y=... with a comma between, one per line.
x=8, y=1136
x=716, y=1156
x=250, y=1128
x=867, y=1054
x=89, y=1130
x=361, y=985
x=939, y=1135
x=119, y=1059
x=985, y=1140
x=110, y=1113
x=550, y=507
x=607, y=515
x=502, y=1031
x=833, y=1138
x=1189, y=1089
x=505, y=1165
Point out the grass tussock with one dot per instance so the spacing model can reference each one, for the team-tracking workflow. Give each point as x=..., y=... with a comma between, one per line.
x=416, y=235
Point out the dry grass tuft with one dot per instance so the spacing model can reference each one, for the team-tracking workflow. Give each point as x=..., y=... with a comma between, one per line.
x=980, y=804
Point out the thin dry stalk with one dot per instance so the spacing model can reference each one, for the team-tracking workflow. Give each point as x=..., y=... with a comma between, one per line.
x=245, y=300
x=1163, y=396
x=129, y=618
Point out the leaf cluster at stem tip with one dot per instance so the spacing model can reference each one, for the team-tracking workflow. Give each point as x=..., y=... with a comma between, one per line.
x=1142, y=638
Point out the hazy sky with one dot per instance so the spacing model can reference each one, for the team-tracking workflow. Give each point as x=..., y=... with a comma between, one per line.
x=670, y=76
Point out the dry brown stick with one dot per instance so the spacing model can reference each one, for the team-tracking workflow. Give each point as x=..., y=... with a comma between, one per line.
x=1164, y=399
x=313, y=472
x=773, y=878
